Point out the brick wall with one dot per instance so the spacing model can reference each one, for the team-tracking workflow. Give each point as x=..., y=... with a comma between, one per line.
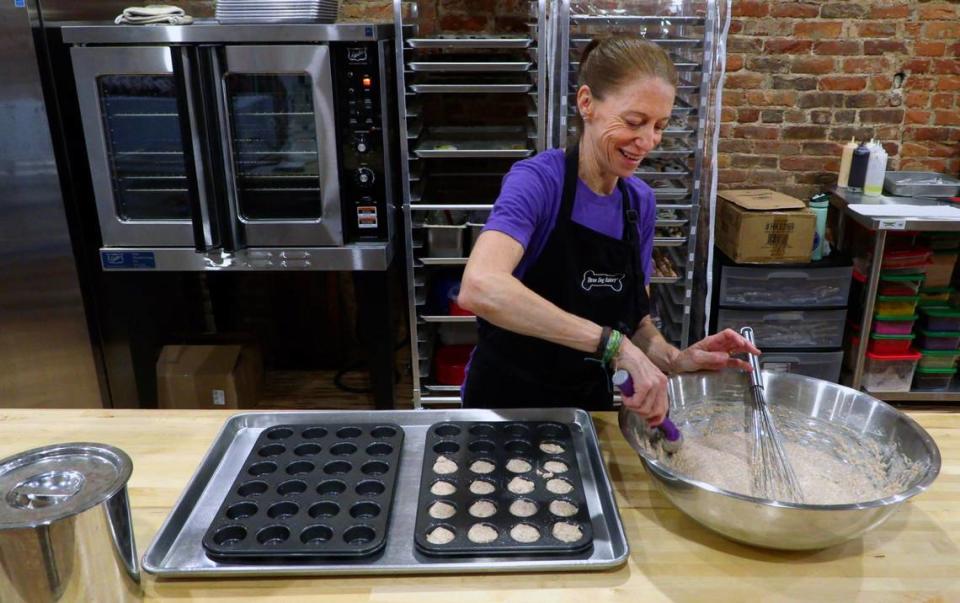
x=803, y=77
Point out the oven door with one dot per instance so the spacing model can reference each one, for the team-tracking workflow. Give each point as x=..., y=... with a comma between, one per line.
x=134, y=123
x=280, y=140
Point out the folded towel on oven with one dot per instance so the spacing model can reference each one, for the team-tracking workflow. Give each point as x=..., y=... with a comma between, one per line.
x=153, y=13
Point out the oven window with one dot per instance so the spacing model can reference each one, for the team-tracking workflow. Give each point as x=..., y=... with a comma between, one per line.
x=145, y=151
x=274, y=136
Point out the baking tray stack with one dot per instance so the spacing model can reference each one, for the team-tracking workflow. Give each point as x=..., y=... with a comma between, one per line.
x=277, y=11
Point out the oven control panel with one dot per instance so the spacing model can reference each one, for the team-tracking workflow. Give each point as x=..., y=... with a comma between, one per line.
x=362, y=140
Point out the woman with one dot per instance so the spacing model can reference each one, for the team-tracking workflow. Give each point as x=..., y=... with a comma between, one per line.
x=558, y=277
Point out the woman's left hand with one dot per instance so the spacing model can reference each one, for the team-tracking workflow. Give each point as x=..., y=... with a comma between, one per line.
x=713, y=353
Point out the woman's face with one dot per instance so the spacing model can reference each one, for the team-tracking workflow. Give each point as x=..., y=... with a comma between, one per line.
x=627, y=124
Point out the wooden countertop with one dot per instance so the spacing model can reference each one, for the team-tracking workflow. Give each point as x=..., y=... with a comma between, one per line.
x=915, y=556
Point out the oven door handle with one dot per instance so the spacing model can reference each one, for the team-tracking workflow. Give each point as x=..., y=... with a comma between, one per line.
x=205, y=233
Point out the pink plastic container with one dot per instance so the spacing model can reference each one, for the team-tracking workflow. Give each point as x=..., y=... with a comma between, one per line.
x=893, y=325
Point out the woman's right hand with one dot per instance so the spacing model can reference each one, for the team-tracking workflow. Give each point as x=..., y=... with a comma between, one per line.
x=649, y=399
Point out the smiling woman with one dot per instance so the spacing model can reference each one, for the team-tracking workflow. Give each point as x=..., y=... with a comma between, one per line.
x=559, y=274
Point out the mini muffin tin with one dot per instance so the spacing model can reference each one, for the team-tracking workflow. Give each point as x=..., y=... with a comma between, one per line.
x=322, y=490
x=498, y=443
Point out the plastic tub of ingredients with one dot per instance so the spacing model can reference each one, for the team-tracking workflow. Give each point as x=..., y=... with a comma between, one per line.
x=908, y=258
x=936, y=296
x=940, y=359
x=942, y=241
x=890, y=372
x=940, y=270
x=938, y=340
x=896, y=304
x=894, y=324
x=450, y=363
x=940, y=319
x=890, y=344
x=933, y=379
x=900, y=284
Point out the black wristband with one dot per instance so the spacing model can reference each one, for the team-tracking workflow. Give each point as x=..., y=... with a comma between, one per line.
x=604, y=340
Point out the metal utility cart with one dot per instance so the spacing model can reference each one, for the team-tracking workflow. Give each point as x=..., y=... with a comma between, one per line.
x=841, y=199
x=471, y=105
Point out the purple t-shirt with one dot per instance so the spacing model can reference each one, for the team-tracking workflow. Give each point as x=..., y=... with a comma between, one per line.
x=529, y=203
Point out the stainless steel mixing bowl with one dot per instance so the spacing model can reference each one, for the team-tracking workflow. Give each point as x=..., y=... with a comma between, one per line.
x=774, y=524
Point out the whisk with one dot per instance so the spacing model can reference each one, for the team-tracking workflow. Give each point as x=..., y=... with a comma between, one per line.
x=773, y=477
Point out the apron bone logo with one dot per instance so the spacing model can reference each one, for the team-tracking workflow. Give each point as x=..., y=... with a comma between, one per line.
x=593, y=279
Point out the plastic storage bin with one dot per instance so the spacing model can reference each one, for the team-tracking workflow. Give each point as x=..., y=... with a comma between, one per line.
x=938, y=358
x=910, y=258
x=893, y=324
x=819, y=365
x=896, y=304
x=933, y=379
x=771, y=287
x=900, y=284
x=940, y=270
x=889, y=372
x=890, y=344
x=450, y=363
x=938, y=340
x=790, y=330
x=936, y=296
x=940, y=319
x=942, y=241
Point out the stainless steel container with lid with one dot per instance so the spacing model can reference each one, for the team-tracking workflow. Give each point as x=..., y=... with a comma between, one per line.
x=65, y=526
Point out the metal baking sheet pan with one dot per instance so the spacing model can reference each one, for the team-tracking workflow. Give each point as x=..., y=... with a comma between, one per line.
x=469, y=42
x=469, y=88
x=469, y=66
x=926, y=184
x=177, y=550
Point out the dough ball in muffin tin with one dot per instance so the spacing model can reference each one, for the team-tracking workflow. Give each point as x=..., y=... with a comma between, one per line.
x=521, y=485
x=482, y=533
x=523, y=507
x=482, y=487
x=440, y=535
x=524, y=532
x=442, y=510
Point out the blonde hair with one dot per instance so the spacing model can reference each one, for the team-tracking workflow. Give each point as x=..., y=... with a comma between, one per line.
x=609, y=62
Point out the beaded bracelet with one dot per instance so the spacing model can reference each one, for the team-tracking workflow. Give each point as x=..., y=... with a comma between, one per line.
x=613, y=346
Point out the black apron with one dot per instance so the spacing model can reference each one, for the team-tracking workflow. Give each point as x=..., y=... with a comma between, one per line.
x=583, y=272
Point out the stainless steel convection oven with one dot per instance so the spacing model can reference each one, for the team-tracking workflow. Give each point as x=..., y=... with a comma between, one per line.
x=239, y=147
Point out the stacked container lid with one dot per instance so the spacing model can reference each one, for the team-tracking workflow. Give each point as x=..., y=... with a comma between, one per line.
x=916, y=331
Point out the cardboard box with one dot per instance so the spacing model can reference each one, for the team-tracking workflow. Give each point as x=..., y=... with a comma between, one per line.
x=209, y=376
x=762, y=226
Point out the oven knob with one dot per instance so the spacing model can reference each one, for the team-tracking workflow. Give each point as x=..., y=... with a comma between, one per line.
x=365, y=177
x=362, y=143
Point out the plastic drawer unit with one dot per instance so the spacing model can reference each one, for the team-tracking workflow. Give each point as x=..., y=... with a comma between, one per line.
x=819, y=365
x=788, y=329
x=784, y=287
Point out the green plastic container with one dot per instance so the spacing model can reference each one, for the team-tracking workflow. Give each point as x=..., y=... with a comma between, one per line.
x=938, y=359
x=900, y=284
x=933, y=379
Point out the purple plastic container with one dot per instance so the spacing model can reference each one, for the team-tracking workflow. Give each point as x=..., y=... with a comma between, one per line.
x=938, y=340
x=893, y=327
x=941, y=319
